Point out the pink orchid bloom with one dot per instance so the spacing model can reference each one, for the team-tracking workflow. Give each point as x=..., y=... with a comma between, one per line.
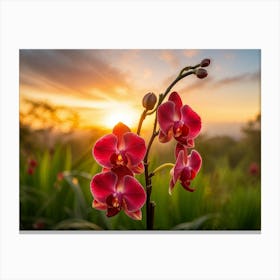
x=114, y=191
x=185, y=169
x=120, y=148
x=178, y=121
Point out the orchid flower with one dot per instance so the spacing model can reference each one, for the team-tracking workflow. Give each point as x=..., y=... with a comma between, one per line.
x=114, y=191
x=185, y=169
x=120, y=148
x=178, y=121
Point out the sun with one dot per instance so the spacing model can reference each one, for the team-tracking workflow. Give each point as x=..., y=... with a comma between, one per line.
x=124, y=115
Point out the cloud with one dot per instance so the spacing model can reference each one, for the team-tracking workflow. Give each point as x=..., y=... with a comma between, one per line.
x=81, y=73
x=229, y=56
x=245, y=77
x=169, y=57
x=210, y=82
x=190, y=53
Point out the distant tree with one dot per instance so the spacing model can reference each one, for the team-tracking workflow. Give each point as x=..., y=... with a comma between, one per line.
x=252, y=132
x=40, y=122
x=43, y=115
x=248, y=149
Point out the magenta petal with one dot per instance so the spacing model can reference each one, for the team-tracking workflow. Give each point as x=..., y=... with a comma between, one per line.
x=179, y=147
x=165, y=138
x=172, y=182
x=104, y=169
x=102, y=185
x=138, y=169
x=187, y=174
x=195, y=161
x=104, y=148
x=112, y=211
x=179, y=166
x=121, y=171
x=134, y=148
x=134, y=194
x=135, y=215
x=166, y=116
x=185, y=141
x=187, y=187
x=99, y=205
x=175, y=97
x=190, y=143
x=192, y=120
x=120, y=129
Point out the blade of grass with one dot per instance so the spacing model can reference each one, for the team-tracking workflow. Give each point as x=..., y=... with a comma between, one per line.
x=77, y=224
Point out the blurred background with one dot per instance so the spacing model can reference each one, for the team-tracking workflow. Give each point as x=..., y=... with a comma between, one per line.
x=70, y=98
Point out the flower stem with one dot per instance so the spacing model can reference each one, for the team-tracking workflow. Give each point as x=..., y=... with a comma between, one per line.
x=143, y=116
x=150, y=205
x=160, y=168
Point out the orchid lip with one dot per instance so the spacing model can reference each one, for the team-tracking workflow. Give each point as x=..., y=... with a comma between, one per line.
x=114, y=201
x=118, y=159
x=178, y=132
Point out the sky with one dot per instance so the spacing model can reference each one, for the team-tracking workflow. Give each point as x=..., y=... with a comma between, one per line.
x=107, y=86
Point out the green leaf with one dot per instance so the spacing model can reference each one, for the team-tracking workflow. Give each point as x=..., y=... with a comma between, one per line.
x=68, y=159
x=44, y=166
x=195, y=224
x=79, y=224
x=80, y=206
x=56, y=164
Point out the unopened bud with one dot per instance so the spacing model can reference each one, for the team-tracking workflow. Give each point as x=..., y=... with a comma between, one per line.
x=201, y=73
x=149, y=101
x=205, y=62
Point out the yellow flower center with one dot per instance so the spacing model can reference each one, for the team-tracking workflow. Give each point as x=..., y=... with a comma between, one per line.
x=119, y=160
x=178, y=132
x=115, y=202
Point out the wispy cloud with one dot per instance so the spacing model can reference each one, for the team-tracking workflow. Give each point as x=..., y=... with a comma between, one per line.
x=80, y=73
x=99, y=82
x=245, y=77
x=211, y=82
x=169, y=57
x=190, y=53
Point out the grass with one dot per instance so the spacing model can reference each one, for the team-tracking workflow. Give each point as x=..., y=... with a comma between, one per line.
x=225, y=198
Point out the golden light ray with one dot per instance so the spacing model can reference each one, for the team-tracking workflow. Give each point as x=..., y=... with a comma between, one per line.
x=123, y=114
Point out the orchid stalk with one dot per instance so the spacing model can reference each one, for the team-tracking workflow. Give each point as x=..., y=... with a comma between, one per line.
x=123, y=154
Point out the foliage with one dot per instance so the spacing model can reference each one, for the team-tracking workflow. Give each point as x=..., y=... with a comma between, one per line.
x=57, y=195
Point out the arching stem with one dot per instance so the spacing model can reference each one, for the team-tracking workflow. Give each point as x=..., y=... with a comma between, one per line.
x=150, y=205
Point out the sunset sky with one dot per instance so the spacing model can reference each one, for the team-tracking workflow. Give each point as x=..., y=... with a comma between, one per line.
x=107, y=86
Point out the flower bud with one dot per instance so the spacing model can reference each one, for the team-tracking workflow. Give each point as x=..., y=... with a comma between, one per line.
x=201, y=73
x=205, y=62
x=149, y=101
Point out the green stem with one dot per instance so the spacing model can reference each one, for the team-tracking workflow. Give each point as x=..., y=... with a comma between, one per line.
x=189, y=68
x=161, y=167
x=143, y=116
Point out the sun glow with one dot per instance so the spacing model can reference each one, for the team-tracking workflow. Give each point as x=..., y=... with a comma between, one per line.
x=124, y=115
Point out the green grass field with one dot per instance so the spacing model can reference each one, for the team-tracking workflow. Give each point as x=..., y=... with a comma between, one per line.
x=227, y=196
